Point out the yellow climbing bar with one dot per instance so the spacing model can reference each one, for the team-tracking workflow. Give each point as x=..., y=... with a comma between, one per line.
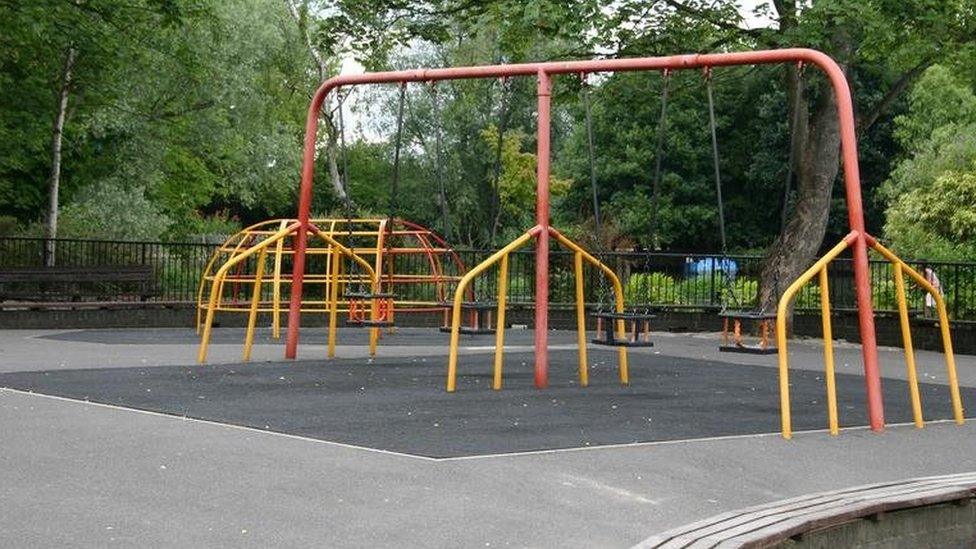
x=501, y=257
x=782, y=309
x=940, y=306
x=462, y=287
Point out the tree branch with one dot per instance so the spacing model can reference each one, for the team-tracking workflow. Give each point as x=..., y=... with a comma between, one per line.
x=316, y=54
x=709, y=18
x=867, y=120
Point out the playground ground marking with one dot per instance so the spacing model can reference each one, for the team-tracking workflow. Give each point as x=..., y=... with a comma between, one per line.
x=218, y=424
x=526, y=453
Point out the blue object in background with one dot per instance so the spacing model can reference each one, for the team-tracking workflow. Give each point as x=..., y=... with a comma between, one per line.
x=707, y=265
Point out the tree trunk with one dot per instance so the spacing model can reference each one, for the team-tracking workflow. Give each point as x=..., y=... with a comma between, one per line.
x=817, y=154
x=332, y=159
x=322, y=66
x=57, y=133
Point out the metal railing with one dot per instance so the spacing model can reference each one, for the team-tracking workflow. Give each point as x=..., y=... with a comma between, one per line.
x=675, y=280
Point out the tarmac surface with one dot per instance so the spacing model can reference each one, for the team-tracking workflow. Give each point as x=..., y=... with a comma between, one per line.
x=115, y=445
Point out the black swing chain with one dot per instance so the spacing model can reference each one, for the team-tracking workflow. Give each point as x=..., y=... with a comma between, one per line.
x=344, y=159
x=658, y=157
x=662, y=126
x=722, y=266
x=602, y=297
x=393, y=205
x=497, y=165
x=438, y=160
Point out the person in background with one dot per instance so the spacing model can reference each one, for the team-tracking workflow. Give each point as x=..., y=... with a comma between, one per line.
x=932, y=279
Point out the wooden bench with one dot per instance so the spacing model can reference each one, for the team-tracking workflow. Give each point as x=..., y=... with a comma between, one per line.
x=790, y=520
x=77, y=284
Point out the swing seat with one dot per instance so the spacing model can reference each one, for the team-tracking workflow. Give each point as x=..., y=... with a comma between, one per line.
x=482, y=317
x=732, y=340
x=357, y=314
x=637, y=333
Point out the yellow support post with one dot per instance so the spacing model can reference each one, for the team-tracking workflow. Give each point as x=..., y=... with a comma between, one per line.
x=618, y=291
x=252, y=316
x=957, y=409
x=334, y=302
x=906, y=336
x=500, y=323
x=624, y=368
x=832, y=420
x=786, y=422
x=584, y=374
x=462, y=286
x=276, y=288
x=374, y=333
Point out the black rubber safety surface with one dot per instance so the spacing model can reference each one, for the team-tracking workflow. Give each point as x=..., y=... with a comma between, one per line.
x=400, y=405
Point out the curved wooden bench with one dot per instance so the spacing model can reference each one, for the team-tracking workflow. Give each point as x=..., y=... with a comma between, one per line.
x=779, y=522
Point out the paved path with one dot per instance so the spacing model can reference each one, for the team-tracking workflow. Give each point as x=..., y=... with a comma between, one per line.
x=76, y=473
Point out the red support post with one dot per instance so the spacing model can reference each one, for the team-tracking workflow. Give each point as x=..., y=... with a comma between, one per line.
x=542, y=240
x=304, y=212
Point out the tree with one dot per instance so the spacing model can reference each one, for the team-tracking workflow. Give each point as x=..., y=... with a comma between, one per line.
x=70, y=49
x=902, y=39
x=57, y=134
x=930, y=193
x=937, y=221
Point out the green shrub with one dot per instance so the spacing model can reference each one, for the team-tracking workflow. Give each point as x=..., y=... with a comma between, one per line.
x=740, y=293
x=651, y=288
x=808, y=297
x=699, y=290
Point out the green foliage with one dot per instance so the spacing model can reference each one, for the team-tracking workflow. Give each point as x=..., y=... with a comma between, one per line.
x=950, y=148
x=931, y=195
x=938, y=99
x=516, y=180
x=113, y=212
x=740, y=293
x=652, y=288
x=697, y=290
x=936, y=222
x=883, y=296
x=808, y=297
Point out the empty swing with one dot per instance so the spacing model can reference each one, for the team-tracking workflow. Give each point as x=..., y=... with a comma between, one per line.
x=733, y=320
x=613, y=329
x=481, y=314
x=374, y=308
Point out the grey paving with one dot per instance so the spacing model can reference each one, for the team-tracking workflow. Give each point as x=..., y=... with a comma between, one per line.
x=81, y=474
x=75, y=474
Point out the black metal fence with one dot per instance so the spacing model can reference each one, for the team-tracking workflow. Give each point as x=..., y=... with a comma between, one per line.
x=176, y=266
x=689, y=281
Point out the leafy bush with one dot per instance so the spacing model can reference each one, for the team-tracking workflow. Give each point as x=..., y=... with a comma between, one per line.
x=883, y=291
x=651, y=288
x=936, y=221
x=111, y=211
x=698, y=290
x=808, y=297
x=740, y=293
